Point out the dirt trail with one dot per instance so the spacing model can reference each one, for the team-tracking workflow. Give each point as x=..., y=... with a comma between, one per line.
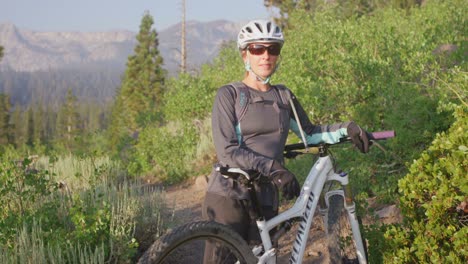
x=187, y=198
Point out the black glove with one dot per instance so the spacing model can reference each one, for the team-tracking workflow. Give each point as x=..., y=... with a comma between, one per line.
x=359, y=137
x=285, y=180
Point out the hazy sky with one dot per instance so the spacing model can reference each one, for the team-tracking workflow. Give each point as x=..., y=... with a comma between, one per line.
x=102, y=15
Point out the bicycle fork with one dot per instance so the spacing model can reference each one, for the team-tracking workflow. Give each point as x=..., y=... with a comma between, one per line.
x=346, y=193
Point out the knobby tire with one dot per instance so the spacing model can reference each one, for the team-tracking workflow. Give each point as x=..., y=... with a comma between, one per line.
x=341, y=245
x=185, y=244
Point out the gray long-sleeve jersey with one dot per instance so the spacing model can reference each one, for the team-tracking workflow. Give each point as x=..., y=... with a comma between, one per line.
x=263, y=131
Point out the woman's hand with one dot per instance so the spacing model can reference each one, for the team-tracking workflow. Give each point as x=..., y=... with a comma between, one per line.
x=359, y=137
x=285, y=180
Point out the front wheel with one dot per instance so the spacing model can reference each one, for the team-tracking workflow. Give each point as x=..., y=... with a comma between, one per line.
x=341, y=244
x=187, y=243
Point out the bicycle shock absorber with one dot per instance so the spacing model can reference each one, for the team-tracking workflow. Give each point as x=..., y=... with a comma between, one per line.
x=348, y=193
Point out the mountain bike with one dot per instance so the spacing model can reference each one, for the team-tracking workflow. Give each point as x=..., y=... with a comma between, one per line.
x=185, y=244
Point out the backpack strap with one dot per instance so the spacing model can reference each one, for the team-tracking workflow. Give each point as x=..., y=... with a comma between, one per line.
x=286, y=96
x=242, y=99
x=242, y=102
x=284, y=93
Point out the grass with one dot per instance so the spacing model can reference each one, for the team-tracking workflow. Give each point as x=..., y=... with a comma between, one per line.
x=30, y=248
x=94, y=194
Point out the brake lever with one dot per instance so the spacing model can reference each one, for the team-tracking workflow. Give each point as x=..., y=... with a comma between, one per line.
x=374, y=143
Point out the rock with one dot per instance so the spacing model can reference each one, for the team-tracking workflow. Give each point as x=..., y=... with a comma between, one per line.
x=314, y=253
x=390, y=214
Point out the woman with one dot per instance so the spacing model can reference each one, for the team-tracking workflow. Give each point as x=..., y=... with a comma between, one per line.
x=250, y=123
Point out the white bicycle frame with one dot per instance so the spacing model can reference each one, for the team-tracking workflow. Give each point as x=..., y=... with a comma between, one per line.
x=304, y=207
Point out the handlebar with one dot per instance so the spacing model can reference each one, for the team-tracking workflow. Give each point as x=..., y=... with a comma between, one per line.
x=249, y=175
x=380, y=135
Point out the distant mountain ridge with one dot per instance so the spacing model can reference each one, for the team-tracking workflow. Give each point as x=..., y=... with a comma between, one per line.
x=29, y=51
x=42, y=66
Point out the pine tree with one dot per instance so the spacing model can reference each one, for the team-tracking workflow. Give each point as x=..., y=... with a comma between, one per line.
x=139, y=96
x=30, y=127
x=5, y=127
x=39, y=124
x=50, y=124
x=68, y=123
x=3, y=119
x=19, y=127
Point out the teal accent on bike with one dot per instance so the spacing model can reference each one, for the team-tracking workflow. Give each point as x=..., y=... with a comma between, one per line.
x=326, y=137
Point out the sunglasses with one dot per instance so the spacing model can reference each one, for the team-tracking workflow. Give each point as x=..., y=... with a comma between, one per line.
x=257, y=49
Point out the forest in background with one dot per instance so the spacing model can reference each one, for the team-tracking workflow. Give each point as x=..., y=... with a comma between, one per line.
x=397, y=65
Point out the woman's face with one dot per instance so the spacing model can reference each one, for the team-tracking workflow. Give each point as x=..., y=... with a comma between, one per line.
x=262, y=57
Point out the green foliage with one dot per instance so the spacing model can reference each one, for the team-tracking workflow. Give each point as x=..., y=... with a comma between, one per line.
x=393, y=69
x=379, y=71
x=360, y=68
x=66, y=220
x=139, y=97
x=67, y=123
x=191, y=97
x=29, y=247
x=22, y=189
x=6, y=136
x=187, y=106
x=433, y=199
x=162, y=151
x=341, y=8
x=384, y=72
x=373, y=232
x=72, y=126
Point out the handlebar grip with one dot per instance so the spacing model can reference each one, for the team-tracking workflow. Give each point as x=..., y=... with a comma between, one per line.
x=383, y=134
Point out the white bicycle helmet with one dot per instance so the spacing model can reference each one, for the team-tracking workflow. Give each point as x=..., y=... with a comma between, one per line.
x=259, y=31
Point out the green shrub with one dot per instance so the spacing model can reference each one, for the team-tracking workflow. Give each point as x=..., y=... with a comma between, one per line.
x=378, y=70
x=165, y=153
x=84, y=216
x=433, y=200
x=22, y=190
x=177, y=150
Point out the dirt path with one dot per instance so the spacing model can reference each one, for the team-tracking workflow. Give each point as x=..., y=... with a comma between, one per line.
x=186, y=200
